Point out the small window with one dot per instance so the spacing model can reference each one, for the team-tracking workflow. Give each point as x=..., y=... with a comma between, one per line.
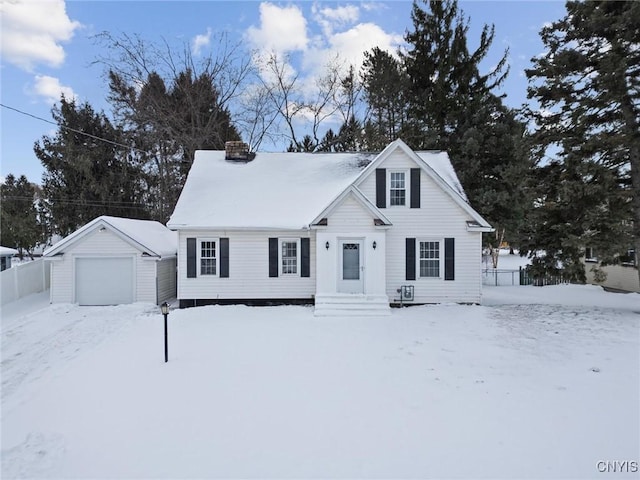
x=208, y=257
x=629, y=258
x=289, y=257
x=429, y=259
x=397, y=188
x=590, y=255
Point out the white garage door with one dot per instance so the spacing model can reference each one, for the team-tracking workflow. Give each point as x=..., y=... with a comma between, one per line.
x=104, y=281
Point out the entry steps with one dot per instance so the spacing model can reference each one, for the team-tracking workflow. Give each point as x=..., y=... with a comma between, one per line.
x=351, y=305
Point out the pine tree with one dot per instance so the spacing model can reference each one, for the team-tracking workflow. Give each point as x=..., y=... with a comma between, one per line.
x=452, y=106
x=170, y=121
x=87, y=174
x=384, y=85
x=587, y=87
x=444, y=77
x=20, y=226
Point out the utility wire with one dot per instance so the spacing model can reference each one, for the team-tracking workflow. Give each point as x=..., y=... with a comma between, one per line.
x=80, y=132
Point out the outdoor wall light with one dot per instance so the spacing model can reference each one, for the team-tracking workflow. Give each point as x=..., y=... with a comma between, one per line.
x=326, y=245
x=164, y=308
x=374, y=245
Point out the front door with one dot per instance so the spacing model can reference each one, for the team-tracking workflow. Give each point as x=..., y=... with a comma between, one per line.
x=350, y=267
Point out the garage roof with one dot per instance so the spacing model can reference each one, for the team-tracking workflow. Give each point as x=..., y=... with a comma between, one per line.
x=148, y=236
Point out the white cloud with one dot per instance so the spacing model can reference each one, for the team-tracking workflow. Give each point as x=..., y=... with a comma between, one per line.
x=50, y=89
x=201, y=41
x=350, y=45
x=332, y=18
x=282, y=29
x=32, y=32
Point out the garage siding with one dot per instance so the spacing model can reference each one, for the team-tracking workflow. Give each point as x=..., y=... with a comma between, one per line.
x=166, y=271
x=97, y=244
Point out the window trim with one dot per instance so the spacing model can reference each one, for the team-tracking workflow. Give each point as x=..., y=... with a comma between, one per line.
x=199, y=257
x=282, y=241
x=590, y=258
x=440, y=242
x=407, y=187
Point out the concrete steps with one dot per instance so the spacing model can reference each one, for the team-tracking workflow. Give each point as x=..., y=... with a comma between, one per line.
x=347, y=305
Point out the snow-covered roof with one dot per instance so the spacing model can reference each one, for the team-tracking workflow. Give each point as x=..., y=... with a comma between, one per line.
x=275, y=190
x=7, y=252
x=441, y=164
x=283, y=190
x=151, y=237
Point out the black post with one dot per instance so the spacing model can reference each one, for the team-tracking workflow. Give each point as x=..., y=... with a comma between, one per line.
x=166, y=345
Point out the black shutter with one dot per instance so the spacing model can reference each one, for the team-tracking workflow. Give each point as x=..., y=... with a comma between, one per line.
x=305, y=257
x=273, y=257
x=449, y=259
x=381, y=187
x=191, y=258
x=224, y=257
x=415, y=188
x=411, y=259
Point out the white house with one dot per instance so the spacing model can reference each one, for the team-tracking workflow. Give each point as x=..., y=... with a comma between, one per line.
x=622, y=276
x=345, y=231
x=113, y=261
x=6, y=254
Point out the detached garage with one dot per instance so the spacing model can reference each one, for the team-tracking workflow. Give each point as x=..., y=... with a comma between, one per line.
x=112, y=261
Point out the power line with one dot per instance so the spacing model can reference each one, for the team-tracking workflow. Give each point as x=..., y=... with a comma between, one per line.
x=80, y=132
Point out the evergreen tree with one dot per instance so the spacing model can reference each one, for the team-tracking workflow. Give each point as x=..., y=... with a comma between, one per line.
x=493, y=164
x=170, y=121
x=20, y=227
x=453, y=107
x=587, y=85
x=87, y=172
x=385, y=84
x=444, y=77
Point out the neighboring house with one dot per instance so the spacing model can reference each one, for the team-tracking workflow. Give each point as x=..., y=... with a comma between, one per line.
x=345, y=231
x=112, y=261
x=6, y=254
x=623, y=276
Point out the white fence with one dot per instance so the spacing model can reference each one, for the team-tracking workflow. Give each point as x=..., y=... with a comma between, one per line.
x=22, y=280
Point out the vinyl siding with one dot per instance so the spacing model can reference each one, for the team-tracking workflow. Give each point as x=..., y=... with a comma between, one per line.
x=620, y=277
x=101, y=244
x=248, y=269
x=438, y=218
x=167, y=281
x=350, y=215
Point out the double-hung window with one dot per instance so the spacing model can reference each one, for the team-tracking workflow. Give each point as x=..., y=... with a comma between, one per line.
x=289, y=257
x=208, y=257
x=429, y=257
x=397, y=188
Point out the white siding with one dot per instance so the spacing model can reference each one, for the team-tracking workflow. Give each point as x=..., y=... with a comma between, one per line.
x=166, y=272
x=350, y=220
x=620, y=277
x=248, y=269
x=101, y=244
x=437, y=218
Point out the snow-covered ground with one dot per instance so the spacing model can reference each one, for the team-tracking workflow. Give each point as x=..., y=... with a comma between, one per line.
x=536, y=383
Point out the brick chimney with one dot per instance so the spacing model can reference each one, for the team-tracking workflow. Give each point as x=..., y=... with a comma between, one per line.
x=237, y=151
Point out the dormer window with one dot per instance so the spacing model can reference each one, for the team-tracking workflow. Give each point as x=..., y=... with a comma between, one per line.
x=397, y=188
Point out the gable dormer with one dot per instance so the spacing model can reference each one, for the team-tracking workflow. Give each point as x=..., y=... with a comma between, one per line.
x=397, y=187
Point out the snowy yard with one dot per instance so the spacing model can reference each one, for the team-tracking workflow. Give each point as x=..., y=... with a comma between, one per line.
x=537, y=383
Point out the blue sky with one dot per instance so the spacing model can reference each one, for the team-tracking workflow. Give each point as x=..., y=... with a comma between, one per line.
x=47, y=46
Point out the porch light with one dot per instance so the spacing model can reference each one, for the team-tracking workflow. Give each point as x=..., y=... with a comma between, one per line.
x=374, y=245
x=326, y=245
x=164, y=308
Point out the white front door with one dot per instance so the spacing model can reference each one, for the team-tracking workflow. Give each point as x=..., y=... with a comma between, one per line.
x=350, y=266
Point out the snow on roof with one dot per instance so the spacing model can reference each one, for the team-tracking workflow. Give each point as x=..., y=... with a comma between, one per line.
x=151, y=235
x=275, y=190
x=441, y=164
x=7, y=252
